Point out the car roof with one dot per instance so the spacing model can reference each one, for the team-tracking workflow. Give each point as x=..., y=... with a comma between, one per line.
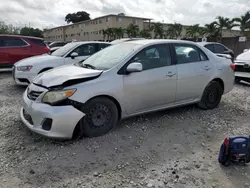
x=87, y=42
x=205, y=43
x=158, y=41
x=20, y=36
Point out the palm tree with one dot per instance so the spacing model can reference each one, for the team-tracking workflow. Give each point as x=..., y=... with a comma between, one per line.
x=119, y=32
x=243, y=22
x=174, y=30
x=211, y=30
x=104, y=33
x=145, y=33
x=224, y=23
x=158, y=30
x=132, y=30
x=109, y=33
x=193, y=31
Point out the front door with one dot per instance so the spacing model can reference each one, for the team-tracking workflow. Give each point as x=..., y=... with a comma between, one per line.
x=193, y=70
x=155, y=86
x=83, y=51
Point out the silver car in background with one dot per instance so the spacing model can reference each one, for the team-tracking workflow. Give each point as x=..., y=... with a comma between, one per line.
x=89, y=98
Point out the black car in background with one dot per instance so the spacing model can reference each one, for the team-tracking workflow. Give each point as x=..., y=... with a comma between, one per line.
x=217, y=48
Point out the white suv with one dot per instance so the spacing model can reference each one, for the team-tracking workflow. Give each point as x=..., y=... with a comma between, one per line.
x=25, y=70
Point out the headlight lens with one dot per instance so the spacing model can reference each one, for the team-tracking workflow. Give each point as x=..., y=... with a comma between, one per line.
x=52, y=97
x=24, y=68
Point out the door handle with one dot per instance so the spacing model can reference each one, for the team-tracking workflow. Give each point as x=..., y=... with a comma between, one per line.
x=170, y=74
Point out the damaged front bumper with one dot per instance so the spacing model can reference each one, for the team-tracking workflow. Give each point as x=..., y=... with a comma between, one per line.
x=50, y=121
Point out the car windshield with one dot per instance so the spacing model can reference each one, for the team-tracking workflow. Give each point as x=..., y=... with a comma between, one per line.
x=64, y=50
x=110, y=56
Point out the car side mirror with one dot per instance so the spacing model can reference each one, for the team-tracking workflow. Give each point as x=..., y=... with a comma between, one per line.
x=73, y=55
x=134, y=67
x=245, y=50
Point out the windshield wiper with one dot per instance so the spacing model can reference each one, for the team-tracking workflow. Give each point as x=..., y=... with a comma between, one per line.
x=88, y=66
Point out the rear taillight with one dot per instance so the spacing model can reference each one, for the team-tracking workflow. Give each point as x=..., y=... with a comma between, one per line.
x=47, y=50
x=232, y=66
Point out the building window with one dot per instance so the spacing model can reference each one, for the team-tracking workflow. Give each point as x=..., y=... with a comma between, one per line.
x=78, y=34
x=100, y=21
x=118, y=19
x=134, y=21
x=107, y=19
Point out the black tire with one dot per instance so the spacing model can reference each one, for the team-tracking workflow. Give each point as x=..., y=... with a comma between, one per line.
x=237, y=80
x=211, y=96
x=101, y=117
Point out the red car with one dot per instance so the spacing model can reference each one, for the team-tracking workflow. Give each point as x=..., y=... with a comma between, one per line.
x=15, y=47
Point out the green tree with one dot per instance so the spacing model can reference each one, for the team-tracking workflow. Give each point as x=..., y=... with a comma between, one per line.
x=243, y=22
x=211, y=30
x=77, y=17
x=158, y=30
x=104, y=34
x=8, y=29
x=109, y=33
x=193, y=31
x=119, y=32
x=35, y=32
x=132, y=30
x=224, y=23
x=145, y=33
x=174, y=30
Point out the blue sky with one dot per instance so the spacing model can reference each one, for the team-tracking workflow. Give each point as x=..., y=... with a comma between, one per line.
x=49, y=13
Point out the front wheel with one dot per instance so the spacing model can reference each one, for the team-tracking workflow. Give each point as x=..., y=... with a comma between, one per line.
x=101, y=116
x=212, y=96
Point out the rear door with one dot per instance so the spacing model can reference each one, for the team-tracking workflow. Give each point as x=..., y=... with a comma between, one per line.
x=14, y=49
x=83, y=51
x=193, y=70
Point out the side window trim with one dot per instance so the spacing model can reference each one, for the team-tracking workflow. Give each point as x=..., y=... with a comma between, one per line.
x=122, y=70
x=95, y=45
x=2, y=41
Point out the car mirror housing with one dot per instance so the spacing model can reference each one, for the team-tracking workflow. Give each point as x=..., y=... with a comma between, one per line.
x=134, y=67
x=73, y=55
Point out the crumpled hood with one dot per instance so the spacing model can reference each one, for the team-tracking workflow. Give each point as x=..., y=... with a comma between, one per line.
x=244, y=56
x=38, y=59
x=62, y=74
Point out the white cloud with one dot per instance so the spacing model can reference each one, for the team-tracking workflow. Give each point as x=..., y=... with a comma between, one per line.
x=48, y=13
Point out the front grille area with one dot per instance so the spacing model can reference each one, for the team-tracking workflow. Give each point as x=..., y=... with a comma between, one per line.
x=27, y=117
x=241, y=68
x=24, y=80
x=33, y=95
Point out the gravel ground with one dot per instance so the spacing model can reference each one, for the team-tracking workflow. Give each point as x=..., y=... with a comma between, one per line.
x=172, y=148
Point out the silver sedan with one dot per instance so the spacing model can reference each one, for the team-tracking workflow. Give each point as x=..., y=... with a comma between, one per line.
x=90, y=97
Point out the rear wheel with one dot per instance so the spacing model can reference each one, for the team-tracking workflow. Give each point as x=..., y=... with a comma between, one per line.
x=212, y=96
x=101, y=116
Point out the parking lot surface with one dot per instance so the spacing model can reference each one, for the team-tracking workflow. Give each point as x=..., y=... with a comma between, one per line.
x=171, y=148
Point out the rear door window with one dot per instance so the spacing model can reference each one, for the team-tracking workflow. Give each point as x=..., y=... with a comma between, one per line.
x=86, y=49
x=219, y=48
x=210, y=47
x=13, y=42
x=186, y=53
